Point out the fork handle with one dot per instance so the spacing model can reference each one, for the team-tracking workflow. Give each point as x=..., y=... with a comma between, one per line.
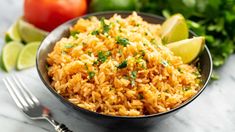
x=59, y=127
x=62, y=128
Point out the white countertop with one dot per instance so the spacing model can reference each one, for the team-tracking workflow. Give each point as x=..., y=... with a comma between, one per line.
x=212, y=111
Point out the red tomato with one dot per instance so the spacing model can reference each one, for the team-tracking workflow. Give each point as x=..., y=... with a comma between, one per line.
x=48, y=14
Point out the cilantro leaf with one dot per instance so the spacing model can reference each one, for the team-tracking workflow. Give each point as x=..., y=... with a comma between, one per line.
x=91, y=74
x=68, y=46
x=123, y=64
x=103, y=55
x=122, y=41
x=74, y=33
x=96, y=32
x=105, y=26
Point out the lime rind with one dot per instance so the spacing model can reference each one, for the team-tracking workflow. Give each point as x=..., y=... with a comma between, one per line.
x=174, y=29
x=188, y=49
x=1, y=63
x=27, y=56
x=13, y=33
x=10, y=54
x=30, y=33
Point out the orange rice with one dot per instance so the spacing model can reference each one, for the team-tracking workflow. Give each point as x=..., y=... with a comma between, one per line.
x=119, y=66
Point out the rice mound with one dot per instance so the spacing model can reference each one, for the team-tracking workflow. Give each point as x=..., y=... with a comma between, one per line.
x=119, y=66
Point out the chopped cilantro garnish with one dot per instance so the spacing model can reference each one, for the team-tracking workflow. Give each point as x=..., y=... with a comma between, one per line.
x=96, y=32
x=133, y=74
x=135, y=54
x=197, y=73
x=89, y=53
x=108, y=53
x=153, y=41
x=141, y=96
x=133, y=77
x=86, y=67
x=68, y=46
x=122, y=41
x=74, y=33
x=102, y=56
x=95, y=63
x=123, y=64
x=64, y=52
x=105, y=26
x=120, y=51
x=132, y=82
x=180, y=70
x=164, y=63
x=186, y=88
x=91, y=74
x=126, y=77
x=142, y=52
x=84, y=44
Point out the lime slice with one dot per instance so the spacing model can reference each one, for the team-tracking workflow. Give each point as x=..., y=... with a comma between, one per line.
x=27, y=56
x=13, y=33
x=174, y=29
x=30, y=33
x=10, y=54
x=188, y=49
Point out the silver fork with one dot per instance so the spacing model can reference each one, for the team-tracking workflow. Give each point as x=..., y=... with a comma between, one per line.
x=29, y=104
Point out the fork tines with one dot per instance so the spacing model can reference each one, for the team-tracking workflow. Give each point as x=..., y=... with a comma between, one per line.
x=19, y=92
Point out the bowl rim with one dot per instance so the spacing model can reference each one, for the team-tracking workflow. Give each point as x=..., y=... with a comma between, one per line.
x=77, y=108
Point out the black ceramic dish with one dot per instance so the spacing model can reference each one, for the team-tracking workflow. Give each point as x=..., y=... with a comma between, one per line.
x=108, y=121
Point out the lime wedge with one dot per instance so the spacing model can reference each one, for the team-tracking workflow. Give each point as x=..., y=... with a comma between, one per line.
x=1, y=63
x=30, y=33
x=13, y=33
x=10, y=54
x=174, y=29
x=188, y=49
x=27, y=56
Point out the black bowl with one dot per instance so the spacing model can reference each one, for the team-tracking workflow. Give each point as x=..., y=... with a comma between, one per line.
x=107, y=121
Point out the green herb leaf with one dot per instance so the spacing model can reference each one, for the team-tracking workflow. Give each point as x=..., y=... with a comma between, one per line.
x=123, y=64
x=96, y=32
x=133, y=77
x=141, y=96
x=120, y=51
x=186, y=88
x=133, y=74
x=68, y=46
x=95, y=63
x=105, y=26
x=214, y=76
x=91, y=74
x=74, y=33
x=180, y=70
x=102, y=56
x=86, y=67
x=89, y=53
x=122, y=41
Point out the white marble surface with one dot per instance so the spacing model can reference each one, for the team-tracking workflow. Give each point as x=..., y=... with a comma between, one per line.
x=212, y=111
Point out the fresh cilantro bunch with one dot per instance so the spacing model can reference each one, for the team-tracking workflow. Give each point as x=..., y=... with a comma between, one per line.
x=214, y=19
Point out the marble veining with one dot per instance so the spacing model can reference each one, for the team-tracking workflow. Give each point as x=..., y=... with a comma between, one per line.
x=212, y=111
